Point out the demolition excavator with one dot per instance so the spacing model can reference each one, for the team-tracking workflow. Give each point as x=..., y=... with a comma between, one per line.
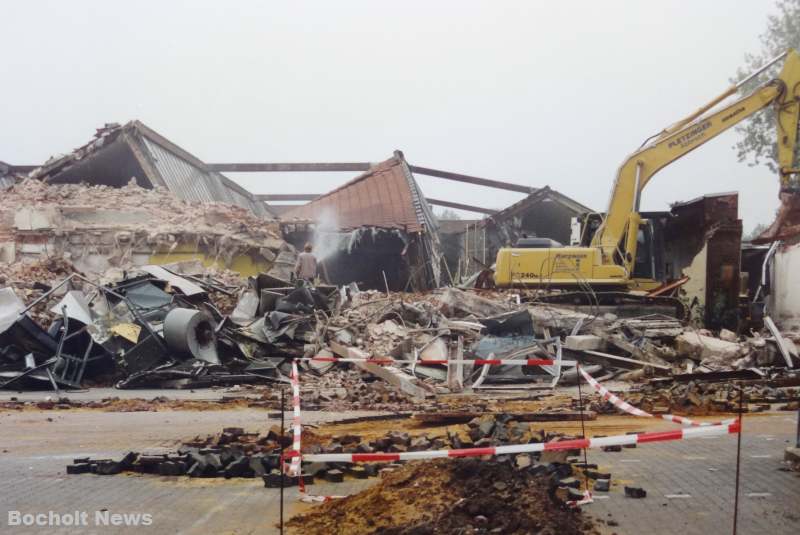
x=606, y=264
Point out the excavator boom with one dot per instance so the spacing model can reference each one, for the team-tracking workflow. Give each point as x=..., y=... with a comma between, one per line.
x=637, y=170
x=610, y=258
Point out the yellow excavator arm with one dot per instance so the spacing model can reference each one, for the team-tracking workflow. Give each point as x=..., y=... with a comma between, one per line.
x=610, y=259
x=616, y=237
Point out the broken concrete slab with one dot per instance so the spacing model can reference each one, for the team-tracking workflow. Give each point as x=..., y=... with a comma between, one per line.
x=406, y=383
x=700, y=347
x=582, y=342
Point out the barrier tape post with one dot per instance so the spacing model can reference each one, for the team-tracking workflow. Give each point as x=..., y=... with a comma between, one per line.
x=283, y=468
x=295, y=468
x=583, y=431
x=738, y=459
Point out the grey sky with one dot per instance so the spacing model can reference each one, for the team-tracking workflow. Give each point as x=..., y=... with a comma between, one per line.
x=554, y=93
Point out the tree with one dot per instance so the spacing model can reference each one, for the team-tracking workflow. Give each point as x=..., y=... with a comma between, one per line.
x=755, y=233
x=447, y=214
x=757, y=144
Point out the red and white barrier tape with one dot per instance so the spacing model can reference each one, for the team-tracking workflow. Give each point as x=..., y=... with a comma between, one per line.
x=307, y=498
x=630, y=409
x=476, y=362
x=580, y=443
x=587, y=498
x=294, y=469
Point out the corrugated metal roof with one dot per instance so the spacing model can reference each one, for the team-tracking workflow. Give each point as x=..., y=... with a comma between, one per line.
x=540, y=195
x=183, y=179
x=386, y=196
x=189, y=178
x=117, y=153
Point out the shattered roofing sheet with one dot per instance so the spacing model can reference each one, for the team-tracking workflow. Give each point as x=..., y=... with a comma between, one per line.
x=386, y=196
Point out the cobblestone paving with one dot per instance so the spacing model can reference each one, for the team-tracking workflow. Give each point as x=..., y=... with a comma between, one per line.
x=690, y=484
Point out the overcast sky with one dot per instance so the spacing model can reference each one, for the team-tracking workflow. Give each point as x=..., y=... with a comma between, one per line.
x=539, y=93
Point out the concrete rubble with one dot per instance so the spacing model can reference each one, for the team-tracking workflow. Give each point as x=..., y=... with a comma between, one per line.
x=182, y=324
x=135, y=288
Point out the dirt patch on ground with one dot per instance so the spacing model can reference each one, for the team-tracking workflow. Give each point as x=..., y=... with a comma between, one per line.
x=448, y=496
x=157, y=404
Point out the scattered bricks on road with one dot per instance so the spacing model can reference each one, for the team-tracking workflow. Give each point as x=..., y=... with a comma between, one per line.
x=421, y=443
x=792, y=456
x=196, y=470
x=602, y=485
x=334, y=476
x=238, y=468
x=635, y=492
x=371, y=469
x=316, y=469
x=80, y=468
x=257, y=465
x=170, y=468
x=613, y=448
x=523, y=461
x=364, y=448
x=575, y=494
x=570, y=482
x=349, y=439
x=539, y=469
x=273, y=480
x=555, y=456
x=358, y=472
x=561, y=470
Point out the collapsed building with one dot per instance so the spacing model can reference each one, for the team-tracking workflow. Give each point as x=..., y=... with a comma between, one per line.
x=118, y=153
x=471, y=245
x=130, y=197
x=376, y=230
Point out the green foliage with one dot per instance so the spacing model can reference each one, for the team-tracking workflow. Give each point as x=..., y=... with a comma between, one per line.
x=757, y=144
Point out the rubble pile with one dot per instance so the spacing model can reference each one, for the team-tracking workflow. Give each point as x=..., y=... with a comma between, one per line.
x=232, y=453
x=703, y=398
x=348, y=389
x=156, y=404
x=236, y=453
x=166, y=213
x=104, y=230
x=154, y=326
x=89, y=309
x=181, y=325
x=452, y=496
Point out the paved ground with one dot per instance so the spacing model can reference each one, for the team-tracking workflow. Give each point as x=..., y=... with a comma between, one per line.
x=34, y=452
x=97, y=394
x=690, y=484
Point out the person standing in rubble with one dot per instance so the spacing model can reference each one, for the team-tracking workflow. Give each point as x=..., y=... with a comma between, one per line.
x=306, y=266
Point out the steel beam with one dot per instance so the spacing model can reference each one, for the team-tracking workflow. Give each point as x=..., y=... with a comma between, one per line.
x=22, y=168
x=288, y=197
x=460, y=206
x=471, y=179
x=287, y=167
